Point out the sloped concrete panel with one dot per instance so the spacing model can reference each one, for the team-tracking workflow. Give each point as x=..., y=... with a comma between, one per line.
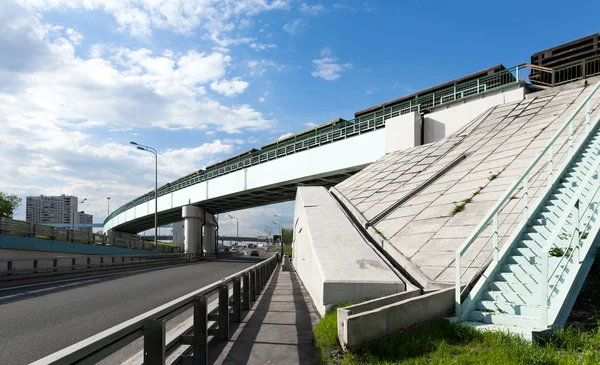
x=422, y=232
x=333, y=261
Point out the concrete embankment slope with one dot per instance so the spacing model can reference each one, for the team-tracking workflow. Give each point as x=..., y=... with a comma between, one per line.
x=421, y=217
x=336, y=264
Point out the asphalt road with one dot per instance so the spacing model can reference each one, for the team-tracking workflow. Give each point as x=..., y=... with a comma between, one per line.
x=38, y=320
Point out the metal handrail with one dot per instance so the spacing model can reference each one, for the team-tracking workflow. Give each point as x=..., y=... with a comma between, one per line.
x=574, y=203
x=342, y=130
x=25, y=229
x=103, y=344
x=492, y=216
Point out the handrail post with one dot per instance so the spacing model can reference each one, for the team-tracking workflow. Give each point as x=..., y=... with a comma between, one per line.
x=457, y=288
x=587, y=117
x=544, y=290
x=223, y=312
x=571, y=151
x=495, y=240
x=252, y=287
x=517, y=72
x=154, y=342
x=550, y=166
x=237, y=298
x=526, y=198
x=200, y=339
x=246, y=291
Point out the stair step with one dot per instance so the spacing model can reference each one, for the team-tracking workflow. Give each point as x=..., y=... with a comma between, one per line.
x=509, y=297
x=526, y=252
x=489, y=306
x=505, y=319
x=519, y=269
x=524, y=261
x=522, y=278
x=513, y=287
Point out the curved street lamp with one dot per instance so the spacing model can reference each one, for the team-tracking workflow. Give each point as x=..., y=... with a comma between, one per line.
x=141, y=147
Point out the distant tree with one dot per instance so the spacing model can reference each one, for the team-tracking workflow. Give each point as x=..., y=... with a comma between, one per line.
x=288, y=235
x=8, y=204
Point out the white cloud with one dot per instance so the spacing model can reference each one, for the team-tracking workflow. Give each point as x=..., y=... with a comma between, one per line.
x=263, y=98
x=140, y=17
x=294, y=26
x=229, y=87
x=74, y=36
x=313, y=10
x=327, y=67
x=310, y=124
x=262, y=47
x=285, y=136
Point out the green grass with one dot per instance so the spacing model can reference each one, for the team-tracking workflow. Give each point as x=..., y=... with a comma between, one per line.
x=457, y=208
x=443, y=342
x=287, y=250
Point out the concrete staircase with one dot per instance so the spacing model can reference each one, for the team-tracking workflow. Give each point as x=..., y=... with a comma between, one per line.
x=532, y=285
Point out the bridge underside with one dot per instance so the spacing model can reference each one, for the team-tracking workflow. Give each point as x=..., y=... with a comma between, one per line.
x=244, y=200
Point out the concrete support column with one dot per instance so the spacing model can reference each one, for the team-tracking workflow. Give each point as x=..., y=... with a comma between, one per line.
x=210, y=233
x=193, y=217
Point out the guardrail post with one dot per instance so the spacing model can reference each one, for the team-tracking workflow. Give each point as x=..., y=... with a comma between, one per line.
x=246, y=292
x=223, y=312
x=55, y=264
x=201, y=330
x=252, y=287
x=9, y=267
x=73, y=263
x=154, y=342
x=88, y=262
x=237, y=298
x=35, y=265
x=101, y=261
x=258, y=280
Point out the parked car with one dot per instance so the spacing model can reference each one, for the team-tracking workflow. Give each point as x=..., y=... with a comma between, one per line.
x=254, y=253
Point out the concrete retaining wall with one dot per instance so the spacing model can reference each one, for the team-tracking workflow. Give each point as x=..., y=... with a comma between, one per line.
x=367, y=321
x=37, y=244
x=332, y=259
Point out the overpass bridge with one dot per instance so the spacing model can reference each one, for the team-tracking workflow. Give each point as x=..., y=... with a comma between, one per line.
x=323, y=156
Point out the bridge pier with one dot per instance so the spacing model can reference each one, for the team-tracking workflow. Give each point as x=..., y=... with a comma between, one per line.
x=210, y=233
x=193, y=218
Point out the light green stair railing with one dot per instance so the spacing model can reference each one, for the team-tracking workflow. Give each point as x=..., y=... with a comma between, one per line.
x=499, y=225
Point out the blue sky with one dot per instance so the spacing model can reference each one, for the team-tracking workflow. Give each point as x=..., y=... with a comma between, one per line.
x=203, y=80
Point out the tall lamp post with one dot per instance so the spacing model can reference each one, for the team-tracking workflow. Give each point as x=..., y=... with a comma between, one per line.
x=73, y=220
x=153, y=151
x=269, y=234
x=237, y=228
x=107, y=206
x=280, y=231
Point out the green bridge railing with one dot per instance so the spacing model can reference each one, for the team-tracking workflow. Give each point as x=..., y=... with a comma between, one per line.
x=335, y=132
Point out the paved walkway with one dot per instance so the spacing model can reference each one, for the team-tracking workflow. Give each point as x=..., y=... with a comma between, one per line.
x=278, y=329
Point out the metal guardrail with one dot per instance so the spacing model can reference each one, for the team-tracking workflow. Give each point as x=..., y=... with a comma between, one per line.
x=25, y=229
x=566, y=73
x=11, y=269
x=338, y=131
x=246, y=284
x=531, y=182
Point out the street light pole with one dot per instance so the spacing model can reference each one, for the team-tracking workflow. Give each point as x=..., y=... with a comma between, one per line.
x=73, y=220
x=107, y=206
x=237, y=228
x=281, y=232
x=153, y=151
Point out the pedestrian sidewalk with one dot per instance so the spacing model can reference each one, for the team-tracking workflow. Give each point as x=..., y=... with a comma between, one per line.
x=278, y=328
